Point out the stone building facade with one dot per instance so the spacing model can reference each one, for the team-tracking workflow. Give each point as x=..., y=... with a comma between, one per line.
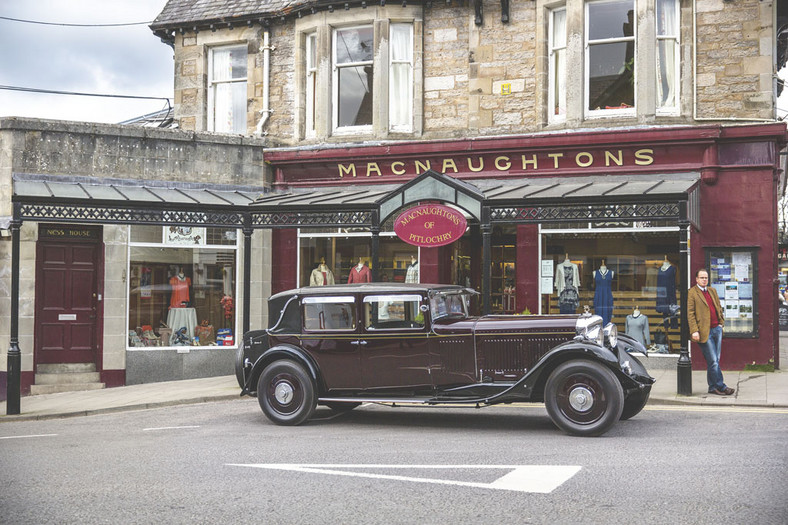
x=462, y=70
x=317, y=96
x=95, y=155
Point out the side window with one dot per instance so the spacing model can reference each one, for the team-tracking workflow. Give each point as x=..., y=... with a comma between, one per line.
x=329, y=313
x=392, y=311
x=227, y=89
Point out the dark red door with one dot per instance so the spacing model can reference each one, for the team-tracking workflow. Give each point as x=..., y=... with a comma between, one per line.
x=66, y=302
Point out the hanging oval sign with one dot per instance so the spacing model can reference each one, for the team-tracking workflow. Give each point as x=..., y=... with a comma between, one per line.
x=430, y=225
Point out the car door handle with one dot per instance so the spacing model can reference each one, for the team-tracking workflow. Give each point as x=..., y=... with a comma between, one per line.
x=358, y=342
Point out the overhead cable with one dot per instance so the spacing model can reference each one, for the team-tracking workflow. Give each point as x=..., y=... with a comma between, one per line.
x=71, y=25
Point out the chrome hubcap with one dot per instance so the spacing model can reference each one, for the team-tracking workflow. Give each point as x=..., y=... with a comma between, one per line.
x=283, y=393
x=581, y=399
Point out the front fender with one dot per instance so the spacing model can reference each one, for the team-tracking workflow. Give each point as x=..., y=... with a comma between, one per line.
x=533, y=382
x=282, y=351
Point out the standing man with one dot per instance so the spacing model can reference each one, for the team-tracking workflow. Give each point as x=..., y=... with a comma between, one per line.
x=705, y=317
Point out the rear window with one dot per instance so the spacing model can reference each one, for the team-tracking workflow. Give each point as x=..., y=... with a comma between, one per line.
x=329, y=313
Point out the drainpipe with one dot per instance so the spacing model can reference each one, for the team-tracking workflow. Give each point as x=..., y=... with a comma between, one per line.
x=266, y=111
x=695, y=80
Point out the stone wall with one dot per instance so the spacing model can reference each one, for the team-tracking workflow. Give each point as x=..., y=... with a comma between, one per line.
x=735, y=62
x=489, y=79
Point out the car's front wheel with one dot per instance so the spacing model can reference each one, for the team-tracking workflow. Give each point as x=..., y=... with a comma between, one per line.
x=583, y=398
x=286, y=393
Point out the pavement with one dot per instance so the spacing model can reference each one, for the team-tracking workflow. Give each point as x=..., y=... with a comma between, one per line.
x=753, y=389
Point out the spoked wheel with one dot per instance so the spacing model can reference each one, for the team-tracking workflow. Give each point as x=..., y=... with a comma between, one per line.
x=286, y=393
x=635, y=403
x=583, y=398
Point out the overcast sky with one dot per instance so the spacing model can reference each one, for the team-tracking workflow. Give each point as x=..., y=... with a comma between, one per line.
x=112, y=60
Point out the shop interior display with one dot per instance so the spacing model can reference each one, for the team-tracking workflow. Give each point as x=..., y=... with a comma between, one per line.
x=567, y=283
x=603, y=293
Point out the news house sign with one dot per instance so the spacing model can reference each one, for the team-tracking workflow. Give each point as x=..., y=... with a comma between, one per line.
x=430, y=225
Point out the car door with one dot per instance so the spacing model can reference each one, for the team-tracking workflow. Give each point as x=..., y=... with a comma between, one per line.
x=394, y=343
x=330, y=336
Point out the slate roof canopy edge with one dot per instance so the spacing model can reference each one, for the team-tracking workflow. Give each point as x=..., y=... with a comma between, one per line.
x=108, y=181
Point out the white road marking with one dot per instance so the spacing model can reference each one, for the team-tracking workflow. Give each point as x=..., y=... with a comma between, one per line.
x=169, y=428
x=30, y=436
x=542, y=479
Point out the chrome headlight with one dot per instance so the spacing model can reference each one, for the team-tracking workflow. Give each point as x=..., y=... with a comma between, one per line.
x=611, y=335
x=590, y=328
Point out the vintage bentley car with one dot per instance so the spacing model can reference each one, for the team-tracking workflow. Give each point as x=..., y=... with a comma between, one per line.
x=341, y=346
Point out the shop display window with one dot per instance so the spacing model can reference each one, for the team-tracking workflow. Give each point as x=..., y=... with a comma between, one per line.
x=732, y=274
x=502, y=275
x=629, y=278
x=334, y=259
x=182, y=286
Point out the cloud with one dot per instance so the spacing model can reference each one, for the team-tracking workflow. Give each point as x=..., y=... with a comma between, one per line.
x=118, y=60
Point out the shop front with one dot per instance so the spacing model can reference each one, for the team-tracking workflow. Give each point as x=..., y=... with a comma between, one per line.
x=614, y=223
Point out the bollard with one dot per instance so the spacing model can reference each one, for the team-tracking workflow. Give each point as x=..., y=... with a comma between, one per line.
x=684, y=373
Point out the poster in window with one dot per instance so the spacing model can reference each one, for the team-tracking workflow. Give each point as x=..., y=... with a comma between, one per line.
x=184, y=235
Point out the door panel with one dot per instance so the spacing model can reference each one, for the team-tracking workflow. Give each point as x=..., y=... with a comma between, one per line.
x=66, y=302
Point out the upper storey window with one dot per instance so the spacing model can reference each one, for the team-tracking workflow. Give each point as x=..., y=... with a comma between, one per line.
x=401, y=77
x=360, y=76
x=353, y=77
x=610, y=56
x=622, y=67
x=667, y=56
x=227, y=89
x=557, y=94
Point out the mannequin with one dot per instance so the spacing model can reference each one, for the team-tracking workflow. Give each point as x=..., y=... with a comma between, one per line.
x=603, y=294
x=567, y=283
x=666, y=292
x=412, y=276
x=360, y=273
x=322, y=275
x=180, y=289
x=637, y=327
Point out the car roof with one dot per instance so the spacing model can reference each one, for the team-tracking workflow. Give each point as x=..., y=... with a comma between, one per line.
x=370, y=288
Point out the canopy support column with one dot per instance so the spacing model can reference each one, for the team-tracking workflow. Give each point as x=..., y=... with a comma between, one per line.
x=247, y=232
x=14, y=361
x=375, y=255
x=486, y=229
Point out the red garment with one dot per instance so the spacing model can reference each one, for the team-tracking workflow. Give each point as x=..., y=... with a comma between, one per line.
x=715, y=320
x=359, y=276
x=180, y=291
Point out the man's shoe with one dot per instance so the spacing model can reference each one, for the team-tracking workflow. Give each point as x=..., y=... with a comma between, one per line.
x=727, y=392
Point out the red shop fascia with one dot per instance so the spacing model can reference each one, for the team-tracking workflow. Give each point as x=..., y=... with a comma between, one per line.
x=740, y=183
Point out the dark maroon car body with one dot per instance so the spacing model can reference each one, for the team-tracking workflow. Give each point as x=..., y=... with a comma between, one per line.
x=344, y=345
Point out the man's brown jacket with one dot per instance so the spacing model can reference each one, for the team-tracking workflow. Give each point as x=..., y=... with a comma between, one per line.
x=698, y=315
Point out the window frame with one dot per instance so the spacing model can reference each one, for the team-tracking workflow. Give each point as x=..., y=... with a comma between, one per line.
x=587, y=43
x=392, y=96
x=310, y=76
x=676, y=37
x=552, y=88
x=212, y=84
x=335, y=71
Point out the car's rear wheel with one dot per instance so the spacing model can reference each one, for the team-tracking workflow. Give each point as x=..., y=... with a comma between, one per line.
x=583, y=398
x=635, y=403
x=286, y=393
x=239, y=364
x=341, y=406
